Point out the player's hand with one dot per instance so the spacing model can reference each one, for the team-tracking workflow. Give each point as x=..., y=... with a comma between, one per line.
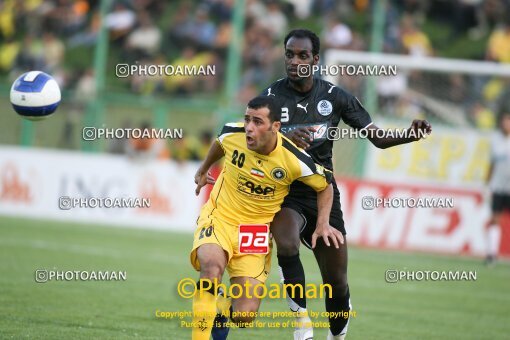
x=420, y=128
x=327, y=232
x=203, y=178
x=301, y=136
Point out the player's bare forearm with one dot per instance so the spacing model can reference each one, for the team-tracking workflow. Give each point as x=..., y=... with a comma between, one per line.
x=323, y=229
x=383, y=140
x=324, y=204
x=202, y=176
x=214, y=154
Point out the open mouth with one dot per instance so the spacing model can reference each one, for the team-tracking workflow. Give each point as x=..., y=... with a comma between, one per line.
x=250, y=140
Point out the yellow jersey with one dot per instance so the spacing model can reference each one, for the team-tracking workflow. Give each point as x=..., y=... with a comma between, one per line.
x=251, y=186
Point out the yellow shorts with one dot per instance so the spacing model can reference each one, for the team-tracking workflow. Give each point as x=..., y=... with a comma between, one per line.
x=212, y=230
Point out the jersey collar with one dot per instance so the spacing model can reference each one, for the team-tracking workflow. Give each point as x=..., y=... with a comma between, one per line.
x=302, y=94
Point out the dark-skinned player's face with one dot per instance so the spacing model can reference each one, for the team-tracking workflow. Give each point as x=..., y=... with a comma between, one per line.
x=298, y=51
x=260, y=131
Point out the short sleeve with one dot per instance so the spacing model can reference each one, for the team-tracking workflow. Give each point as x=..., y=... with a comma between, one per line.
x=317, y=178
x=229, y=129
x=351, y=110
x=307, y=171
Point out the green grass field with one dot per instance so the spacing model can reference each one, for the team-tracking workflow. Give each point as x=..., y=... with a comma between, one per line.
x=156, y=261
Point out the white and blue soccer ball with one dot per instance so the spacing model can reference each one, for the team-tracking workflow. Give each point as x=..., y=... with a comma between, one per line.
x=35, y=95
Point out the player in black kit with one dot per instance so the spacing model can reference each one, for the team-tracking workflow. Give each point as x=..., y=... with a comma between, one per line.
x=309, y=107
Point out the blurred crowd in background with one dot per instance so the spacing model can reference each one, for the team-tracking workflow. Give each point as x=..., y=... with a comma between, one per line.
x=188, y=148
x=56, y=35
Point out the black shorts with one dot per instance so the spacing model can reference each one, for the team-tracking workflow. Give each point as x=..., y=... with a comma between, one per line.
x=303, y=200
x=500, y=202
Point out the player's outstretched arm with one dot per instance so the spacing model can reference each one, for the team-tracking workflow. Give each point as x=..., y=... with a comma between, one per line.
x=202, y=176
x=383, y=140
x=323, y=229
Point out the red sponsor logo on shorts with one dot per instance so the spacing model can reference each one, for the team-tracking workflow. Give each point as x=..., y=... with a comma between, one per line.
x=253, y=238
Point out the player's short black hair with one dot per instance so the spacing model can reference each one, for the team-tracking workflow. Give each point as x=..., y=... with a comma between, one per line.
x=304, y=33
x=275, y=114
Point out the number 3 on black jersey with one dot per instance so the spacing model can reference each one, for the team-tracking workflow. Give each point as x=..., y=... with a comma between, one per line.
x=285, y=114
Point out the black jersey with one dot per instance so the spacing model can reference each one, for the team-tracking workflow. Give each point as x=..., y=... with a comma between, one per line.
x=322, y=107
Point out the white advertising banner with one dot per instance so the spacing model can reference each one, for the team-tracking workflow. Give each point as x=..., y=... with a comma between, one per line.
x=377, y=213
x=46, y=183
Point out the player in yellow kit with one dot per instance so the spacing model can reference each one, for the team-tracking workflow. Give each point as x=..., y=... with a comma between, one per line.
x=260, y=165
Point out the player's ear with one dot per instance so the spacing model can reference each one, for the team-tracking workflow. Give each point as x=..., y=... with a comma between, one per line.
x=316, y=59
x=276, y=126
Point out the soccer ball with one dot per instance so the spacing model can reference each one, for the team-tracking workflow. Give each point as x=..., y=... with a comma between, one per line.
x=35, y=95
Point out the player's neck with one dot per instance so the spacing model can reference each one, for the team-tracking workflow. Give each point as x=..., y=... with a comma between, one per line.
x=270, y=146
x=303, y=85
